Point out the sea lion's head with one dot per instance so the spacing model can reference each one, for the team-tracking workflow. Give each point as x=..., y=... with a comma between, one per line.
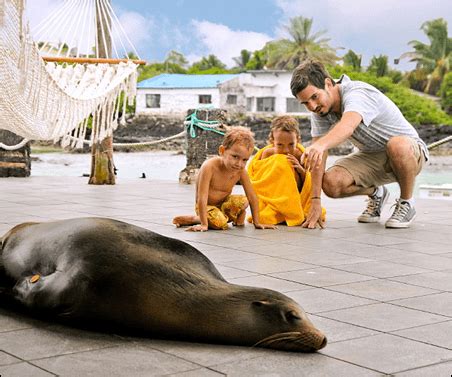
x=272, y=320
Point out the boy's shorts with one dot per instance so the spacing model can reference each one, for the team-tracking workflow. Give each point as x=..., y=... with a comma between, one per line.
x=374, y=169
x=219, y=216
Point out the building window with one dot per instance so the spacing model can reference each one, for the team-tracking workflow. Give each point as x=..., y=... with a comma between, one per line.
x=294, y=106
x=265, y=104
x=152, y=100
x=249, y=104
x=231, y=99
x=205, y=98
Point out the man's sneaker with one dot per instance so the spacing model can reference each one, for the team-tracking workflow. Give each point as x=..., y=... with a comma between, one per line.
x=403, y=215
x=374, y=205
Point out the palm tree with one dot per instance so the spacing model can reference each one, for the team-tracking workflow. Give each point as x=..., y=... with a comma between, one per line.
x=351, y=59
x=288, y=53
x=436, y=57
x=243, y=59
x=379, y=65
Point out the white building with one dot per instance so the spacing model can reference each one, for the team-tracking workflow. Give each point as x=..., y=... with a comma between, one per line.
x=176, y=93
x=248, y=92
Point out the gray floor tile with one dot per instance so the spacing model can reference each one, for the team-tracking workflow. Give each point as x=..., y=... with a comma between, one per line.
x=201, y=372
x=319, y=300
x=336, y=331
x=265, y=265
x=117, y=361
x=305, y=365
x=270, y=283
x=437, y=334
x=36, y=343
x=205, y=355
x=432, y=262
x=440, y=303
x=436, y=370
x=382, y=290
x=345, y=251
x=6, y=359
x=387, y=353
x=23, y=370
x=326, y=258
x=434, y=280
x=383, y=317
x=322, y=277
x=381, y=269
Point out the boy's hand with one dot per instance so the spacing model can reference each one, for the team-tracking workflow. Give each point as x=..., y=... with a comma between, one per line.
x=314, y=217
x=265, y=226
x=295, y=163
x=197, y=228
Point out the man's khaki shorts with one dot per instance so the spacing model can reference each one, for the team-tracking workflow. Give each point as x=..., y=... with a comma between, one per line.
x=374, y=169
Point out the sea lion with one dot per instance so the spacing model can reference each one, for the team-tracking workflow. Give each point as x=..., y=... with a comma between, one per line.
x=108, y=271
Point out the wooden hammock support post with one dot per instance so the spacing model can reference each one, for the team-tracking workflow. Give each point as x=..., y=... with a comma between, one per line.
x=102, y=165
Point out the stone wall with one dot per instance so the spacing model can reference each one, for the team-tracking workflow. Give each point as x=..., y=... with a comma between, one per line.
x=146, y=128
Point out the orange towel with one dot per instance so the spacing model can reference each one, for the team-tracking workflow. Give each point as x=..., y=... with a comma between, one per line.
x=275, y=185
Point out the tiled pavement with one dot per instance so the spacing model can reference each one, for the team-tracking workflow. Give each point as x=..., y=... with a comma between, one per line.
x=383, y=297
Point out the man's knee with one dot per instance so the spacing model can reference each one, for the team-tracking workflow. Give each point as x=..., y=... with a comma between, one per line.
x=399, y=148
x=332, y=185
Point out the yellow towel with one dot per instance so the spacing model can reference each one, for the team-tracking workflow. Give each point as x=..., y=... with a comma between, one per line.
x=275, y=185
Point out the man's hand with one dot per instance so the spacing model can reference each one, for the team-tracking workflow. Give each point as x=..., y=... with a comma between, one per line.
x=265, y=226
x=197, y=228
x=312, y=156
x=314, y=217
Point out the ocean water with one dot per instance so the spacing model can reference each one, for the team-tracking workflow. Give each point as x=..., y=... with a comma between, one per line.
x=160, y=165
x=166, y=165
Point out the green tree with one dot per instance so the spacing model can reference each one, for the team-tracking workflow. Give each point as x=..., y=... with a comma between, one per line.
x=243, y=59
x=176, y=58
x=351, y=59
x=258, y=60
x=288, y=53
x=208, y=63
x=379, y=65
x=446, y=93
x=436, y=57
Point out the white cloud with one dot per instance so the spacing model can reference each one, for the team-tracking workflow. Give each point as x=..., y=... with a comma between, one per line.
x=225, y=43
x=64, y=26
x=368, y=27
x=137, y=28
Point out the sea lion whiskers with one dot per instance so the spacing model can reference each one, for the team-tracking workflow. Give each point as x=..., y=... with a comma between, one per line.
x=294, y=341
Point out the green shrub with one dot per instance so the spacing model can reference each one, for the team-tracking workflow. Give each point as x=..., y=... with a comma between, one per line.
x=446, y=93
x=416, y=109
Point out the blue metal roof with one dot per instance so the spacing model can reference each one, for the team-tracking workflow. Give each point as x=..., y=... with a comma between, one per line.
x=170, y=80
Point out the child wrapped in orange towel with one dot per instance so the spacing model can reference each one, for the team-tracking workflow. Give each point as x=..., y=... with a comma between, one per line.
x=281, y=183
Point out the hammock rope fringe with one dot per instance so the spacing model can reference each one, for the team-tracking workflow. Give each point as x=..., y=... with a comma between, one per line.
x=50, y=101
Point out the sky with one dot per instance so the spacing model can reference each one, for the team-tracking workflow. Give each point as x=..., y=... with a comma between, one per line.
x=197, y=28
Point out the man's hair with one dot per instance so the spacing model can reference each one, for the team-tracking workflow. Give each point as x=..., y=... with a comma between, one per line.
x=240, y=135
x=310, y=72
x=284, y=123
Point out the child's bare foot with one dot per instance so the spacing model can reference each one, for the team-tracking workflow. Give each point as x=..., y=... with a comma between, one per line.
x=186, y=220
x=240, y=219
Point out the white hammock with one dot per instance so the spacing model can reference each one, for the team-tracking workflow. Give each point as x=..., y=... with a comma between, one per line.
x=46, y=101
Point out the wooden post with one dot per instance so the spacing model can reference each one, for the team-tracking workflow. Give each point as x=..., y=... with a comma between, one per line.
x=16, y=163
x=102, y=166
x=203, y=146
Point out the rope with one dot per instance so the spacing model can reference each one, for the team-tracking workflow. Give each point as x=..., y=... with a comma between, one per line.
x=14, y=147
x=439, y=142
x=192, y=121
x=119, y=145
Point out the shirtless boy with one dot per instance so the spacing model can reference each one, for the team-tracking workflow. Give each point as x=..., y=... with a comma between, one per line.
x=285, y=136
x=215, y=206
